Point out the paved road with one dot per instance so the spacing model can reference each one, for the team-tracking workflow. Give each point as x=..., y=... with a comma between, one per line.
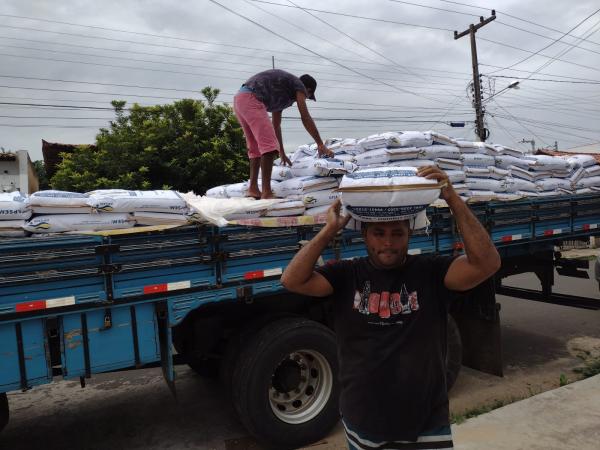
x=135, y=410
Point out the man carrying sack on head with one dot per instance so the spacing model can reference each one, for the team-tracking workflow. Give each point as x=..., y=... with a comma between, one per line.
x=272, y=91
x=390, y=312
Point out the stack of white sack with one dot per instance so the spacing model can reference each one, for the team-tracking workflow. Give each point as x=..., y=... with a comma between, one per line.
x=382, y=194
x=60, y=211
x=478, y=171
x=157, y=207
x=14, y=211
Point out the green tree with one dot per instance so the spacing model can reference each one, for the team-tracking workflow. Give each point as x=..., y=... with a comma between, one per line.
x=187, y=145
x=40, y=171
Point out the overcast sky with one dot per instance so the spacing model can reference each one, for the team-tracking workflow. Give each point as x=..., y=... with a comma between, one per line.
x=385, y=65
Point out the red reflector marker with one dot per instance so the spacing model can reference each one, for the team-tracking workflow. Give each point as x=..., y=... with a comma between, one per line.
x=31, y=306
x=154, y=288
x=254, y=275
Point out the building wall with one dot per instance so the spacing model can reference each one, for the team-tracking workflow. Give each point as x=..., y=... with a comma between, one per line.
x=17, y=173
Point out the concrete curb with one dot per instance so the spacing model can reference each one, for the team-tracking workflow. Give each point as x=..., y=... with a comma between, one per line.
x=563, y=418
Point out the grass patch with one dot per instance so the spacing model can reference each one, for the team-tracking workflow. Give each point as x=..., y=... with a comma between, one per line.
x=460, y=418
x=590, y=368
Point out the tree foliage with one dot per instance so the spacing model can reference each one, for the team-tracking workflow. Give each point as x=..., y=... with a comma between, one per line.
x=40, y=171
x=187, y=145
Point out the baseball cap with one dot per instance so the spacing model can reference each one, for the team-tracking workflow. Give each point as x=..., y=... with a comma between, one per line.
x=309, y=83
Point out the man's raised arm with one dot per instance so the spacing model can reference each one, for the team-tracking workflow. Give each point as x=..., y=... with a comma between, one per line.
x=300, y=276
x=481, y=259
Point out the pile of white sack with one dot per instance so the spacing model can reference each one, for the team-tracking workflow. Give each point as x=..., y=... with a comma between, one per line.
x=14, y=211
x=375, y=177
x=478, y=171
x=52, y=211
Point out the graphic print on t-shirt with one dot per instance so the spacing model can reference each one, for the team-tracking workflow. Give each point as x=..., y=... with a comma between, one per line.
x=385, y=304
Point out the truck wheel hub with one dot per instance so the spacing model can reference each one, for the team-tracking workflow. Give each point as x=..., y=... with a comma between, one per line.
x=301, y=385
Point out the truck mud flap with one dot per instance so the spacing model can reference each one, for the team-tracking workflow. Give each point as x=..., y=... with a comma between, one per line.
x=165, y=338
x=478, y=318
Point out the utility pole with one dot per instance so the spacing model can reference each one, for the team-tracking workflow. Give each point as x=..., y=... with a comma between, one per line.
x=273, y=61
x=481, y=131
x=532, y=142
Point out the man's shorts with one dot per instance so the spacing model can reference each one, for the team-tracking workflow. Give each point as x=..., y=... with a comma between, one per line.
x=258, y=128
x=438, y=439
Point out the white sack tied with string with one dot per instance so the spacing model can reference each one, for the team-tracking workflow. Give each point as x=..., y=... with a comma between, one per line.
x=387, y=193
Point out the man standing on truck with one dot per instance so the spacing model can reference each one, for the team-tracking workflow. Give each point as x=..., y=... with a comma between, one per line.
x=392, y=353
x=272, y=91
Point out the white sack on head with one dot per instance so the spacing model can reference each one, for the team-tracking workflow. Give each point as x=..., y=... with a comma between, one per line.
x=387, y=193
x=416, y=222
x=57, y=223
x=58, y=198
x=130, y=201
x=13, y=206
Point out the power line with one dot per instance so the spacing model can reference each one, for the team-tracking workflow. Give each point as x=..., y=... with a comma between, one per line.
x=353, y=39
x=532, y=54
x=374, y=19
x=315, y=53
x=515, y=17
x=546, y=79
x=553, y=42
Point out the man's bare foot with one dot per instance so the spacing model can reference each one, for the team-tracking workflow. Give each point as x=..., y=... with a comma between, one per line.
x=254, y=194
x=267, y=195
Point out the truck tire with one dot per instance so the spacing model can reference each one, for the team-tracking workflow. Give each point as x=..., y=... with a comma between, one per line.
x=284, y=386
x=3, y=411
x=453, y=353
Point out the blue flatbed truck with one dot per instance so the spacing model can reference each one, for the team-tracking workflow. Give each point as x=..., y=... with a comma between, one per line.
x=75, y=305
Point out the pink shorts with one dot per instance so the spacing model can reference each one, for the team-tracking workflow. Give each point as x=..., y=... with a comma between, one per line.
x=258, y=129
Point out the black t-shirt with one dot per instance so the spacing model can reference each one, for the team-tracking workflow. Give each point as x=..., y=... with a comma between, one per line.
x=391, y=332
x=275, y=88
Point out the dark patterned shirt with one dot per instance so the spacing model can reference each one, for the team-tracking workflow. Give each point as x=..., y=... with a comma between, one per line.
x=275, y=88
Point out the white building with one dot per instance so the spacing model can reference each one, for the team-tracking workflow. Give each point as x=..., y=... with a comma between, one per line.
x=17, y=173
